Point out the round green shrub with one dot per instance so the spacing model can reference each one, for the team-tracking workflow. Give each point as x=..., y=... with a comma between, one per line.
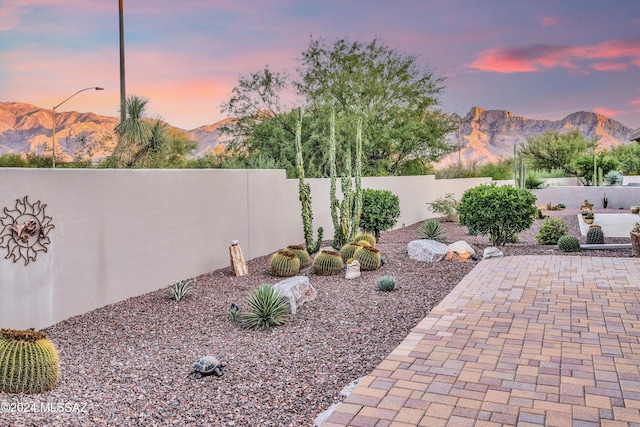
x=432, y=229
x=284, y=263
x=347, y=251
x=28, y=362
x=301, y=253
x=368, y=257
x=551, y=230
x=386, y=284
x=595, y=236
x=568, y=243
x=380, y=211
x=327, y=263
x=267, y=308
x=498, y=212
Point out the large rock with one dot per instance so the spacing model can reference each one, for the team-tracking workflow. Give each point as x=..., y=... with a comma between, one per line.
x=427, y=250
x=298, y=289
x=460, y=247
x=492, y=252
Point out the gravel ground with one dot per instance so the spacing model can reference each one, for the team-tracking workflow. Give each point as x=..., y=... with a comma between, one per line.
x=126, y=364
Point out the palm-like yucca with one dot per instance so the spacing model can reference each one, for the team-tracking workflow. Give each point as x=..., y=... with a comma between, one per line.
x=134, y=132
x=266, y=308
x=431, y=229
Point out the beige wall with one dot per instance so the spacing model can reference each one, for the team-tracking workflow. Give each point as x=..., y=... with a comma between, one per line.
x=122, y=233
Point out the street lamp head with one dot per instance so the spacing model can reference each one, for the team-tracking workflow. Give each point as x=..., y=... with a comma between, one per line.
x=99, y=88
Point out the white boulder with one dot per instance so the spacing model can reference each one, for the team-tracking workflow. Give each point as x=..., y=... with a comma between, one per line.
x=427, y=250
x=298, y=289
x=492, y=252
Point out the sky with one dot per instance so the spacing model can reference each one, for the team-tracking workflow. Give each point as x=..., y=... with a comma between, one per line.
x=540, y=59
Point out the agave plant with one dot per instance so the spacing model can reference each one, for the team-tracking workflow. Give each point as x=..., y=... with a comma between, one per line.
x=180, y=289
x=266, y=308
x=431, y=229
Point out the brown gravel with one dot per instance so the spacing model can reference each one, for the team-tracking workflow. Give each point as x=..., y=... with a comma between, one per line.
x=126, y=364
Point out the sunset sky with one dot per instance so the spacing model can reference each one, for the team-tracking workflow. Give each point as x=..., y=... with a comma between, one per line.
x=541, y=59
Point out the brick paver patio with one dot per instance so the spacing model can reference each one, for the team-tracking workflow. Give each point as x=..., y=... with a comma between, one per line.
x=527, y=341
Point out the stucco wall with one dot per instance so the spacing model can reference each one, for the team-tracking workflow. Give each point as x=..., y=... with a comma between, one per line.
x=122, y=233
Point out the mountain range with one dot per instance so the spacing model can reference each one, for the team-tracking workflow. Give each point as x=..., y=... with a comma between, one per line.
x=483, y=136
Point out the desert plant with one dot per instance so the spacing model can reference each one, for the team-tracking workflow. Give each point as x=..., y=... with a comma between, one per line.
x=613, y=178
x=532, y=182
x=432, y=229
x=561, y=206
x=497, y=211
x=180, y=289
x=284, y=263
x=304, y=190
x=386, y=284
x=380, y=211
x=267, y=308
x=551, y=230
x=447, y=206
x=327, y=263
x=595, y=236
x=367, y=237
x=301, y=253
x=568, y=243
x=368, y=257
x=605, y=201
x=347, y=222
x=346, y=252
x=636, y=227
x=28, y=362
x=234, y=312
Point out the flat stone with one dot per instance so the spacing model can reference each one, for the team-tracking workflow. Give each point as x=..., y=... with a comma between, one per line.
x=427, y=250
x=298, y=289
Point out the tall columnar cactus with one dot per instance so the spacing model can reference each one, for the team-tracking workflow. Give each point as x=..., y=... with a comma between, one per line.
x=305, y=195
x=28, y=362
x=347, y=222
x=518, y=169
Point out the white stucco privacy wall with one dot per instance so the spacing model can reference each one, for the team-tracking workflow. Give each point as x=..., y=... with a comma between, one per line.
x=122, y=233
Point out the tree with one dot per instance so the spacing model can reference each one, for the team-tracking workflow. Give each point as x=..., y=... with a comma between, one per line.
x=501, y=212
x=395, y=98
x=134, y=132
x=554, y=150
x=628, y=158
x=380, y=211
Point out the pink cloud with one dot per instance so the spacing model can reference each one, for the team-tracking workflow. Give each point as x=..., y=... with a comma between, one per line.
x=608, y=112
x=609, y=66
x=550, y=20
x=572, y=58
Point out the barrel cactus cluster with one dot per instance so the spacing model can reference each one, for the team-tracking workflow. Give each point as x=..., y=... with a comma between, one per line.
x=347, y=251
x=368, y=257
x=327, y=263
x=301, y=253
x=28, y=362
x=595, y=236
x=568, y=243
x=284, y=263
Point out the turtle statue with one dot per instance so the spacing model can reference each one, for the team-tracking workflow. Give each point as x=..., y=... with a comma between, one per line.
x=208, y=365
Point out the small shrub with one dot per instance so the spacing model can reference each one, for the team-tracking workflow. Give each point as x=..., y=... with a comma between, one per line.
x=447, y=206
x=568, y=243
x=431, y=229
x=532, y=182
x=234, y=312
x=497, y=211
x=386, y=284
x=180, y=289
x=551, y=230
x=380, y=211
x=267, y=308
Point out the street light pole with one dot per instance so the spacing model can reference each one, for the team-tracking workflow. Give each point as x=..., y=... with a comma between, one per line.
x=53, y=118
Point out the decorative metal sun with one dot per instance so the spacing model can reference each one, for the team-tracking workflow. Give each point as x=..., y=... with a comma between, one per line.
x=25, y=230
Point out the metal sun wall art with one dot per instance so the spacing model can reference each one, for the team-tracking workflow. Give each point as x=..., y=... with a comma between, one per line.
x=25, y=230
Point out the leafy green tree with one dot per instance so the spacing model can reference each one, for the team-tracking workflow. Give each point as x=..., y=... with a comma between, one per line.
x=555, y=150
x=395, y=98
x=584, y=165
x=380, y=211
x=500, y=212
x=628, y=158
x=12, y=160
